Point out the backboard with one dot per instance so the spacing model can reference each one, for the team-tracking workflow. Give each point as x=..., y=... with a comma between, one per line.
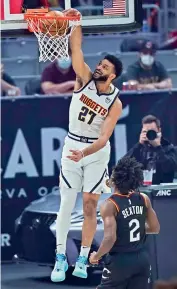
x=107, y=16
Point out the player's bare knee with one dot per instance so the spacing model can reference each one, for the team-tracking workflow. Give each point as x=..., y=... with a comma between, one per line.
x=90, y=207
x=89, y=211
x=90, y=202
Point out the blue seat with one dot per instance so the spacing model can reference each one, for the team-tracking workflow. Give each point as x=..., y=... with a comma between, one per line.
x=173, y=75
x=21, y=66
x=107, y=42
x=168, y=58
x=97, y=43
x=19, y=47
x=127, y=58
x=21, y=81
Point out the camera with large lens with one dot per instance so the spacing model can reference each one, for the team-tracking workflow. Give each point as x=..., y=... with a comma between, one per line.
x=151, y=134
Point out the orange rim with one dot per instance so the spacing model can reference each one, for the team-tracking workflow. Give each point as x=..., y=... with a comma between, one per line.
x=30, y=16
x=41, y=14
x=37, y=15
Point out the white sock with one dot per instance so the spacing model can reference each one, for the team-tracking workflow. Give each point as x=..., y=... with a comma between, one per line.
x=84, y=251
x=61, y=249
x=68, y=199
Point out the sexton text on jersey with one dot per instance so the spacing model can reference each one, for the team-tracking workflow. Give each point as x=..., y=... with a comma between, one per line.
x=133, y=210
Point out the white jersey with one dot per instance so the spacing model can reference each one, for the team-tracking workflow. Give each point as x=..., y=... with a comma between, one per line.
x=88, y=110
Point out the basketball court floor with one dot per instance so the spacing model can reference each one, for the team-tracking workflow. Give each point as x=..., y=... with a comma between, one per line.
x=25, y=276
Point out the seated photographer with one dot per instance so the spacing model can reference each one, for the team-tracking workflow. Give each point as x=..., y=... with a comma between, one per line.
x=155, y=152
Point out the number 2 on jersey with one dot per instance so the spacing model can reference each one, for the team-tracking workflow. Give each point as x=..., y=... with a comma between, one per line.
x=134, y=226
x=84, y=112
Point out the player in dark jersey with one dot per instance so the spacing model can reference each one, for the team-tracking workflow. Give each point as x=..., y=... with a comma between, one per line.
x=128, y=216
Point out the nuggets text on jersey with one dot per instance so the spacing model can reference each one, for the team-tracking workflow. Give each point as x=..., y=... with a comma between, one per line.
x=89, y=109
x=93, y=105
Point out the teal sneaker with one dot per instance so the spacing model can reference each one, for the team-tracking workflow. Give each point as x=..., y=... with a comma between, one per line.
x=61, y=266
x=81, y=267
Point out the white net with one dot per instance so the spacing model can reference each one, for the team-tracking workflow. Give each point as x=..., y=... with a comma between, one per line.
x=52, y=38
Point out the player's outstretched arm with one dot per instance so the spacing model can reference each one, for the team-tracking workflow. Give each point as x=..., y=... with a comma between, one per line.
x=81, y=69
x=107, y=129
x=152, y=223
x=108, y=212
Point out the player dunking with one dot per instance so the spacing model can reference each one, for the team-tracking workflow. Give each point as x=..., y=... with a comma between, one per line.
x=128, y=216
x=94, y=111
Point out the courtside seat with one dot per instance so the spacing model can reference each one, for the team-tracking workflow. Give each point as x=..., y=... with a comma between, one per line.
x=168, y=58
x=28, y=46
x=21, y=66
x=19, y=47
x=127, y=58
x=27, y=83
x=173, y=74
x=97, y=43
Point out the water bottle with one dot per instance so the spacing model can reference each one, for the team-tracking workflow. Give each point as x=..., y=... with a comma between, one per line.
x=145, y=27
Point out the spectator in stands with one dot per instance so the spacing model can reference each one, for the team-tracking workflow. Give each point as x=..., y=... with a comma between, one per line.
x=58, y=77
x=158, y=154
x=147, y=73
x=8, y=86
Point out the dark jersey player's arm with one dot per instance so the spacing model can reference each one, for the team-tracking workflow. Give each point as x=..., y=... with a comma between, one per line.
x=81, y=69
x=152, y=223
x=106, y=130
x=108, y=213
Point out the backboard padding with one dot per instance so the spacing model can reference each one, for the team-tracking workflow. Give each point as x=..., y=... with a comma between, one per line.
x=93, y=21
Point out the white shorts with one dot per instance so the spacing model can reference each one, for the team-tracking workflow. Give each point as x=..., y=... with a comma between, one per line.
x=90, y=174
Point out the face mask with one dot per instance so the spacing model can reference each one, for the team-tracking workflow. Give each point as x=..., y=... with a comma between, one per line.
x=147, y=59
x=64, y=64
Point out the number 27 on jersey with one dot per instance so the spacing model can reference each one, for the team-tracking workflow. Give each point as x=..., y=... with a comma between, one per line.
x=83, y=114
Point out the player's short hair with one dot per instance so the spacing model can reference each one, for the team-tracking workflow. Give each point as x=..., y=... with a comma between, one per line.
x=127, y=175
x=151, y=118
x=116, y=62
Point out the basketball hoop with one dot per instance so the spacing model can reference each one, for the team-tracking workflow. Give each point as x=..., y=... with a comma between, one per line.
x=52, y=32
